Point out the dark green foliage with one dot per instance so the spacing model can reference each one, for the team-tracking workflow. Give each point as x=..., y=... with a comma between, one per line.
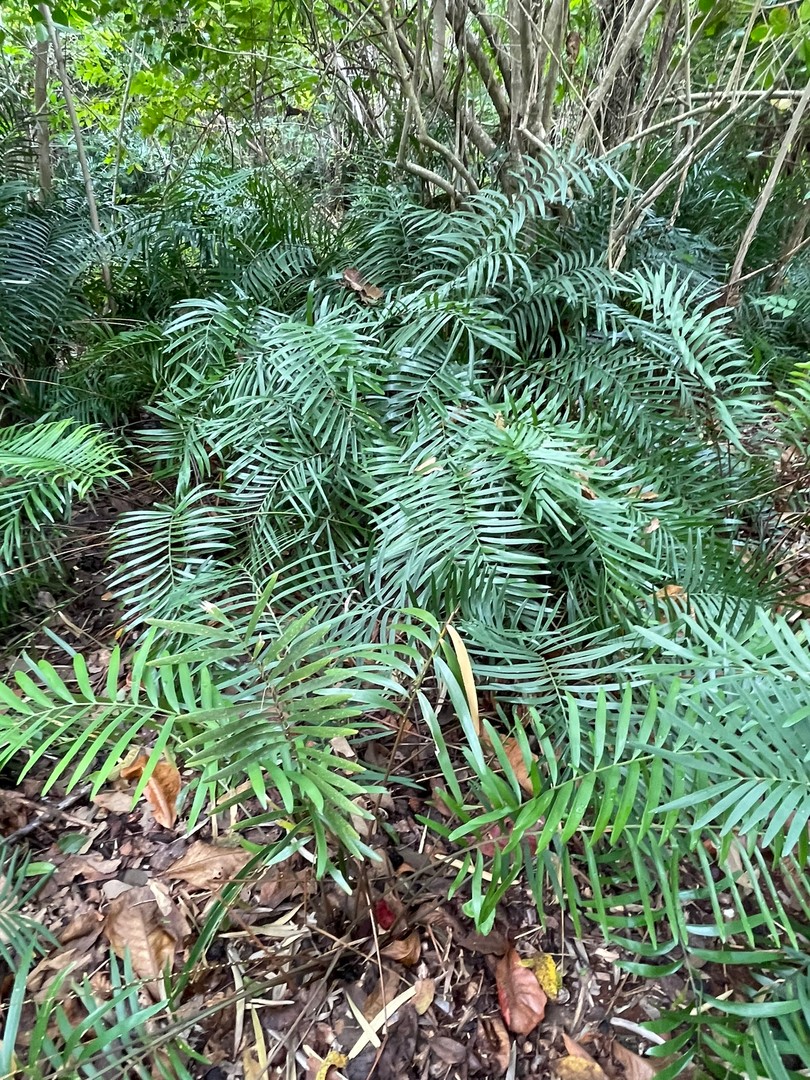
x=566, y=463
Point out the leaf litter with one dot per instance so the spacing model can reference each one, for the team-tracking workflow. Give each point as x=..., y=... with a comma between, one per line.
x=431, y=996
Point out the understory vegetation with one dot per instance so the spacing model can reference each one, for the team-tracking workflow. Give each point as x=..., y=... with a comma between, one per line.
x=421, y=460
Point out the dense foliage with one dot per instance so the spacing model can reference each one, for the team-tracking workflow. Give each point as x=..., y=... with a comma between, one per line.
x=417, y=451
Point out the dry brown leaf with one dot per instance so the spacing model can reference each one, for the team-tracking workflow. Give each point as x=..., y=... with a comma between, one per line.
x=342, y=747
x=136, y=923
x=671, y=592
x=448, y=1050
x=161, y=790
x=654, y=524
x=576, y=1050
x=90, y=867
x=630, y=1066
x=492, y=1045
x=405, y=951
x=208, y=866
x=514, y=755
x=116, y=802
x=355, y=281
x=84, y=924
x=425, y=993
x=520, y=995
x=675, y=596
x=586, y=490
x=384, y=993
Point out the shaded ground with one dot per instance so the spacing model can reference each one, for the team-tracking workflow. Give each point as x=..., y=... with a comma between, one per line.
x=294, y=953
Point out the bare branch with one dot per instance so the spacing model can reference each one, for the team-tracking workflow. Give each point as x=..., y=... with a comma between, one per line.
x=484, y=20
x=732, y=290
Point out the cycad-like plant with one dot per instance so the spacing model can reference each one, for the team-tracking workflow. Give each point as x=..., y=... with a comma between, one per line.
x=44, y=469
x=459, y=447
x=42, y=257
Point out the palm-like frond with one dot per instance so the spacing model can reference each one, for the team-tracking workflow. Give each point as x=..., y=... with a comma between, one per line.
x=159, y=551
x=44, y=469
x=42, y=256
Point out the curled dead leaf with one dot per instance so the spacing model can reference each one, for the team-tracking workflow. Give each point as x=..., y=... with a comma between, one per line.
x=161, y=790
x=405, y=951
x=370, y=294
x=208, y=866
x=521, y=997
x=631, y=1066
x=514, y=755
x=136, y=923
x=675, y=597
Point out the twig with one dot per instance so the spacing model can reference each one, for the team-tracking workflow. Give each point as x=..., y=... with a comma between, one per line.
x=57, y=811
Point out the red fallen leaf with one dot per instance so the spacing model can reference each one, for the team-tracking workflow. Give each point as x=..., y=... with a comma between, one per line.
x=384, y=915
x=520, y=996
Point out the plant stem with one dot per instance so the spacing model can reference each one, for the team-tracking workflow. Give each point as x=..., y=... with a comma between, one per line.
x=61, y=68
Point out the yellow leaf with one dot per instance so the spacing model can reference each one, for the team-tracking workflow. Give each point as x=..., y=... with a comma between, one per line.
x=425, y=993
x=546, y=972
x=577, y=1068
x=467, y=677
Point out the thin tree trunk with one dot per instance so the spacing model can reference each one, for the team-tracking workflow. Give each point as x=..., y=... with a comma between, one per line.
x=731, y=293
x=41, y=50
x=61, y=68
x=633, y=30
x=794, y=243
